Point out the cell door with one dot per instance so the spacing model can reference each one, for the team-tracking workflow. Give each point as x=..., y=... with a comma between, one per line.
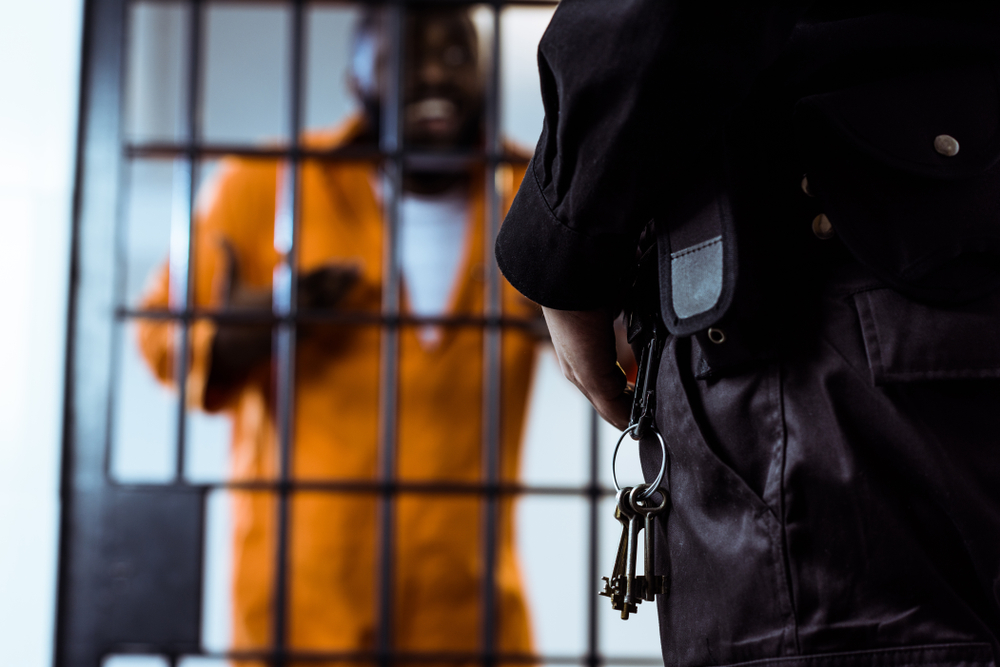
x=167, y=486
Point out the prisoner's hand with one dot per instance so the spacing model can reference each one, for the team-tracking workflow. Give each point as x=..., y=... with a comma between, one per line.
x=326, y=286
x=584, y=342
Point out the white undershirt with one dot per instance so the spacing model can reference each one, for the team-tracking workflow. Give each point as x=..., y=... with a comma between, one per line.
x=432, y=233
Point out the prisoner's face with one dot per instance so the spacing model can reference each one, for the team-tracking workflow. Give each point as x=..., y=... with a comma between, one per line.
x=442, y=86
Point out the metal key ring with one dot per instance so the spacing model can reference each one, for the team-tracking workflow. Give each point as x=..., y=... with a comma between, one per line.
x=642, y=509
x=663, y=462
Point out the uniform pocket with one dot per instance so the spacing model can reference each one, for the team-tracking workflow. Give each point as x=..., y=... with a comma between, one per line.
x=907, y=169
x=908, y=341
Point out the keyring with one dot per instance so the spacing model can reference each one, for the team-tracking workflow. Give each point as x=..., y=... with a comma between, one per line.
x=641, y=509
x=663, y=462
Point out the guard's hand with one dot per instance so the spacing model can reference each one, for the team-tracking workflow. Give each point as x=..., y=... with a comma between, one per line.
x=584, y=342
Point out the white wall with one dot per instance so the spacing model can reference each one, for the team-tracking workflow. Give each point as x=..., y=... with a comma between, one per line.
x=39, y=71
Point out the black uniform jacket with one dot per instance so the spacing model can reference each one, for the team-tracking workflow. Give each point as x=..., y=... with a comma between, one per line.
x=835, y=464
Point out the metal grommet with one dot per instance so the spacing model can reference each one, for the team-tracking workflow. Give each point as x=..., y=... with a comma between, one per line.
x=946, y=145
x=822, y=227
x=717, y=336
x=805, y=185
x=652, y=488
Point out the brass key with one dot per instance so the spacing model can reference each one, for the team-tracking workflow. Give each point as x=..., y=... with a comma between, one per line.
x=653, y=583
x=634, y=586
x=613, y=587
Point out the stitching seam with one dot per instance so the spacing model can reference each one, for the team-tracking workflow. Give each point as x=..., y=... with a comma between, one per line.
x=697, y=248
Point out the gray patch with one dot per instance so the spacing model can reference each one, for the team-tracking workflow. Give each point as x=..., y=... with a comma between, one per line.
x=696, y=277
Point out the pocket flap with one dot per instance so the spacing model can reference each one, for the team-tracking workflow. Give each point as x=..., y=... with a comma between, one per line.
x=895, y=121
x=908, y=341
x=925, y=223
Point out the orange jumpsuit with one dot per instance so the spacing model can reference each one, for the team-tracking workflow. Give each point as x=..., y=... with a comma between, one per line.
x=333, y=555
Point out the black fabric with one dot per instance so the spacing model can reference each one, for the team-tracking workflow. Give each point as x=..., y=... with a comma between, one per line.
x=908, y=341
x=632, y=91
x=545, y=251
x=926, y=223
x=835, y=464
x=643, y=98
x=816, y=513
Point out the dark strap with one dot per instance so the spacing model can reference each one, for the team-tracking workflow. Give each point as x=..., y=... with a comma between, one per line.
x=697, y=258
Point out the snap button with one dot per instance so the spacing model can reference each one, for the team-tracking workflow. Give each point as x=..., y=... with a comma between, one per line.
x=805, y=185
x=822, y=227
x=946, y=145
x=716, y=336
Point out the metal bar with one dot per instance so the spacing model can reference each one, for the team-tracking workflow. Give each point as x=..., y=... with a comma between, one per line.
x=381, y=488
x=89, y=332
x=594, y=493
x=325, y=316
x=182, y=236
x=180, y=291
x=492, y=350
x=390, y=141
x=412, y=3
x=453, y=157
x=286, y=235
x=428, y=658
x=117, y=338
x=181, y=230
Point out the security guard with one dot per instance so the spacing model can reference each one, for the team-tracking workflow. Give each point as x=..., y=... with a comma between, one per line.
x=822, y=183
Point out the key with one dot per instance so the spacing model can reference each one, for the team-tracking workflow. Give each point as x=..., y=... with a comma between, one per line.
x=607, y=590
x=613, y=587
x=634, y=586
x=654, y=584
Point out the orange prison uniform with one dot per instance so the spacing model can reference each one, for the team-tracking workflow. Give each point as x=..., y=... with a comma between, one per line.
x=333, y=554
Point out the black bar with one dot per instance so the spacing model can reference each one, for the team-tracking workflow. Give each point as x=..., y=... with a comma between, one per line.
x=183, y=197
x=88, y=330
x=118, y=339
x=193, y=135
x=403, y=658
x=594, y=492
x=286, y=237
x=324, y=316
x=512, y=3
x=182, y=223
x=491, y=357
x=460, y=157
x=390, y=141
x=382, y=488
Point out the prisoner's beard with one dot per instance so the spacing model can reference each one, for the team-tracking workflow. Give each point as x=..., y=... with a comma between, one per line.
x=468, y=137
x=432, y=170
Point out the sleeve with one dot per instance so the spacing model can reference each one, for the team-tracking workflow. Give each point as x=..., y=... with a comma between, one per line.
x=635, y=93
x=234, y=209
x=157, y=341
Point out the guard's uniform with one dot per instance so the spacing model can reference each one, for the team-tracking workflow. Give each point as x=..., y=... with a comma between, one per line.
x=835, y=453
x=333, y=543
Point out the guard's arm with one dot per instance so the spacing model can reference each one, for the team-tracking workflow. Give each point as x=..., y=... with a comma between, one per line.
x=633, y=92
